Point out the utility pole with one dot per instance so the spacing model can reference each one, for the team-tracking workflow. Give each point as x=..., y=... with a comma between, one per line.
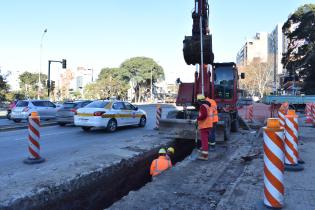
x=40, y=63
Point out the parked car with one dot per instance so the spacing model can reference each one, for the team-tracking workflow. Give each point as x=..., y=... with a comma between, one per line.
x=109, y=114
x=244, y=102
x=10, y=107
x=23, y=109
x=65, y=113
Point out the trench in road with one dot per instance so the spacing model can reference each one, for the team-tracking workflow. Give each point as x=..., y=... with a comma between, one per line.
x=100, y=190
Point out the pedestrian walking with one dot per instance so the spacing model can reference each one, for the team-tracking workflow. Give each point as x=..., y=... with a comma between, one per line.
x=204, y=124
x=160, y=164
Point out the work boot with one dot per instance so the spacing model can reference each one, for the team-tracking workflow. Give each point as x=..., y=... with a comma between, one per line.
x=203, y=155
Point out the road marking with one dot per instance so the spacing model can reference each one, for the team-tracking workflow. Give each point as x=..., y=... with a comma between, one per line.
x=48, y=134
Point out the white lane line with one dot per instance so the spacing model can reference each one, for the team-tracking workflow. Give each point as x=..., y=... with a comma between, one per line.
x=42, y=135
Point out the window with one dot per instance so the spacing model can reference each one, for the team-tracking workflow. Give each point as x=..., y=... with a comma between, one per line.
x=97, y=104
x=22, y=104
x=39, y=103
x=129, y=106
x=69, y=105
x=118, y=105
x=224, y=83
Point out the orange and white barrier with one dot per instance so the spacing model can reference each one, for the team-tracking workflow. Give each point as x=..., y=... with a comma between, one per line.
x=33, y=140
x=158, y=116
x=281, y=116
x=273, y=164
x=291, y=142
x=250, y=113
x=313, y=113
x=308, y=113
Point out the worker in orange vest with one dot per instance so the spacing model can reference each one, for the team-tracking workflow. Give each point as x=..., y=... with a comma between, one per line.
x=215, y=120
x=204, y=124
x=160, y=164
x=170, y=153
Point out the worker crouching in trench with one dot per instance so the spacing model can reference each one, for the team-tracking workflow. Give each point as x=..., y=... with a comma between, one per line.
x=205, y=124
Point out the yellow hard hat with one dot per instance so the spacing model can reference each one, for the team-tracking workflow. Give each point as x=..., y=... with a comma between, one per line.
x=171, y=150
x=200, y=97
x=162, y=151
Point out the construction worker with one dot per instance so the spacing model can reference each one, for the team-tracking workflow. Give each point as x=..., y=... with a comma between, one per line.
x=160, y=164
x=204, y=124
x=170, y=153
x=215, y=120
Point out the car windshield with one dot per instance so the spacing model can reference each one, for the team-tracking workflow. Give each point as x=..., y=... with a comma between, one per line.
x=22, y=104
x=97, y=104
x=69, y=105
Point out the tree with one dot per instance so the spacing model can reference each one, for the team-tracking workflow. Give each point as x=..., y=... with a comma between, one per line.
x=140, y=70
x=300, y=56
x=4, y=87
x=105, y=88
x=29, y=84
x=258, y=79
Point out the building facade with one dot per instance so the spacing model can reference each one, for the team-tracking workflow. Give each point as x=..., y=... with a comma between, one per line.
x=253, y=49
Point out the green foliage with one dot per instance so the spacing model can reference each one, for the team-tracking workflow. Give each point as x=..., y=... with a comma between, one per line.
x=300, y=57
x=4, y=87
x=106, y=87
x=141, y=70
x=116, y=81
x=12, y=95
x=29, y=84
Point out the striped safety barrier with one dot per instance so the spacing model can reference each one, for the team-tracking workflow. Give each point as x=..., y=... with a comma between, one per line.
x=33, y=140
x=273, y=164
x=251, y=113
x=158, y=116
x=291, y=142
x=308, y=113
x=281, y=116
x=313, y=113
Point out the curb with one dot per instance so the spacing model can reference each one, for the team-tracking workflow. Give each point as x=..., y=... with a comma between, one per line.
x=3, y=129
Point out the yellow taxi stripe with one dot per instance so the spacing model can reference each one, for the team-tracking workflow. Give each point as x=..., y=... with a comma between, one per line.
x=85, y=115
x=121, y=115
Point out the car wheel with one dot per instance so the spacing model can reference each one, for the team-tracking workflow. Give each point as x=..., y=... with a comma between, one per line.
x=61, y=124
x=112, y=125
x=17, y=121
x=143, y=121
x=86, y=128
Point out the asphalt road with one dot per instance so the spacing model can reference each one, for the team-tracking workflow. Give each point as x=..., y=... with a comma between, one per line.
x=68, y=151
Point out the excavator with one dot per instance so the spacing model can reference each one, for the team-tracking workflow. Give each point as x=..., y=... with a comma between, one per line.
x=218, y=81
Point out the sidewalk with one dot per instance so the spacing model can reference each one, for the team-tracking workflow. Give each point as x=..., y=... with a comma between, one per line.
x=247, y=193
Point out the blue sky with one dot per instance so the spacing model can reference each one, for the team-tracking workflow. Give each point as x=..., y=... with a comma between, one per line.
x=103, y=33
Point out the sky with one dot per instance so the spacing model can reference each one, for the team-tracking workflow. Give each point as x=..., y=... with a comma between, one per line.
x=104, y=33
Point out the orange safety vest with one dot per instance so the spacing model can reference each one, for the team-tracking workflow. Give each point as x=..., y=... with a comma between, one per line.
x=214, y=107
x=159, y=165
x=208, y=122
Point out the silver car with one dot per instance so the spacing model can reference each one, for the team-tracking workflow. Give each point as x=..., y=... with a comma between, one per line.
x=44, y=108
x=66, y=112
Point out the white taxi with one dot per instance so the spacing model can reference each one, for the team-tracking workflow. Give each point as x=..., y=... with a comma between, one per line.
x=110, y=115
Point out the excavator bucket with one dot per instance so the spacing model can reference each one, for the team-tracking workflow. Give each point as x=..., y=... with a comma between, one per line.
x=192, y=50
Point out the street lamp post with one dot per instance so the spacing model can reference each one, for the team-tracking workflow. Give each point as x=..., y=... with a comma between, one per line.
x=40, y=62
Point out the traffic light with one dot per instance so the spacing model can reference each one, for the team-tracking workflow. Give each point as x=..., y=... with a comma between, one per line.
x=64, y=63
x=52, y=85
